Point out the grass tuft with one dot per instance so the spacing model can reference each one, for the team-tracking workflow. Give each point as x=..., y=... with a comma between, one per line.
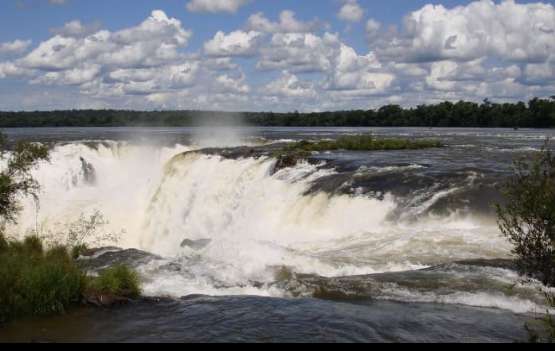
x=119, y=280
x=35, y=281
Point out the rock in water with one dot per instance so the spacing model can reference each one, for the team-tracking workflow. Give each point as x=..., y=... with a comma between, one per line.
x=89, y=172
x=196, y=244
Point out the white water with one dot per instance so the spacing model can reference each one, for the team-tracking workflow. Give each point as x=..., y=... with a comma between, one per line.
x=254, y=221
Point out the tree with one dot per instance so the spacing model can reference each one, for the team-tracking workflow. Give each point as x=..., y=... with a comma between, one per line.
x=15, y=178
x=528, y=217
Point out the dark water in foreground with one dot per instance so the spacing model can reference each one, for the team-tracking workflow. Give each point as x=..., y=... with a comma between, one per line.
x=257, y=319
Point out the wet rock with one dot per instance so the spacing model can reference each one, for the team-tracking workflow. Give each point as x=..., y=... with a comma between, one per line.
x=286, y=161
x=89, y=173
x=196, y=244
x=450, y=278
x=104, y=300
x=99, y=259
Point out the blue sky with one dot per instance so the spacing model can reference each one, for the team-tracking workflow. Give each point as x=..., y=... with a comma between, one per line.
x=332, y=54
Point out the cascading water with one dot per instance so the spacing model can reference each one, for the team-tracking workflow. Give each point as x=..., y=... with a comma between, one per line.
x=230, y=224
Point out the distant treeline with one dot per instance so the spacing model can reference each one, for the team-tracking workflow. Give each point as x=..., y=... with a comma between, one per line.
x=537, y=113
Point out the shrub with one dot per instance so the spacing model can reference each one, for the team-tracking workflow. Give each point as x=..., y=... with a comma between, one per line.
x=528, y=217
x=3, y=243
x=119, y=280
x=15, y=179
x=542, y=329
x=33, y=245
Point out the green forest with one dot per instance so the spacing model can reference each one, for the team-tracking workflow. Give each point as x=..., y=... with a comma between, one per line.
x=536, y=113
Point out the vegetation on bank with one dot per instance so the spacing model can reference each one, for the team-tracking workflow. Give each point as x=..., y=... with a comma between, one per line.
x=37, y=280
x=528, y=221
x=363, y=143
x=536, y=113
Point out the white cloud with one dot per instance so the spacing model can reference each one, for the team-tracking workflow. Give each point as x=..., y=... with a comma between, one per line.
x=228, y=84
x=298, y=52
x=14, y=47
x=507, y=31
x=220, y=64
x=75, y=76
x=540, y=73
x=289, y=85
x=372, y=30
x=351, y=11
x=144, y=81
x=9, y=69
x=287, y=24
x=154, y=42
x=362, y=74
x=138, y=60
x=77, y=29
x=236, y=43
x=214, y=6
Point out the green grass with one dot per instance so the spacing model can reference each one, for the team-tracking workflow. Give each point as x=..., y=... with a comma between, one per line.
x=363, y=143
x=35, y=281
x=118, y=280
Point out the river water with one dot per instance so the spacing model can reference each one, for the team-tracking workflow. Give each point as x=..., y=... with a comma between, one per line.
x=351, y=246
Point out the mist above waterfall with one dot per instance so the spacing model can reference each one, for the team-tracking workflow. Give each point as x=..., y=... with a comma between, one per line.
x=219, y=131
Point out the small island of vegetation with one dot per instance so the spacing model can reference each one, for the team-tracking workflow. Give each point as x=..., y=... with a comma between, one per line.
x=290, y=154
x=363, y=143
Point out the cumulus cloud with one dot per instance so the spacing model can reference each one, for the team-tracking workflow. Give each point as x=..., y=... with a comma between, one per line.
x=363, y=74
x=77, y=29
x=236, y=43
x=507, y=31
x=228, y=84
x=540, y=73
x=154, y=42
x=372, y=30
x=143, y=59
x=298, y=52
x=10, y=69
x=214, y=6
x=220, y=64
x=289, y=85
x=351, y=11
x=287, y=23
x=14, y=47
